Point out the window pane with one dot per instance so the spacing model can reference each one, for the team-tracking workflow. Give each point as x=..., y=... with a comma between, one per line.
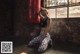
x=78, y=2
x=49, y=3
x=74, y=11
x=62, y=13
x=70, y=2
x=62, y=2
x=73, y=2
x=51, y=13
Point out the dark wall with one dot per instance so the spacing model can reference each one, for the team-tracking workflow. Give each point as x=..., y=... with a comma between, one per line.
x=7, y=8
x=66, y=30
x=20, y=25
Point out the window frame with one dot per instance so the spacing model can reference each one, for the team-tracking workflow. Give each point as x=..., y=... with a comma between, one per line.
x=63, y=6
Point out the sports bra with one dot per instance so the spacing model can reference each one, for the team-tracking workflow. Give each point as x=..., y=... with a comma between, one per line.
x=43, y=23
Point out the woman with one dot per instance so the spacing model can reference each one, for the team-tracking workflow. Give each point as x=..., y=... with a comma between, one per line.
x=44, y=37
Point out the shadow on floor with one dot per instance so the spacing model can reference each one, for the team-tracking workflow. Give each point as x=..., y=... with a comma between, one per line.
x=20, y=45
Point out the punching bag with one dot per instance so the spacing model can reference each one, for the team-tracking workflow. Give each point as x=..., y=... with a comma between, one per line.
x=33, y=10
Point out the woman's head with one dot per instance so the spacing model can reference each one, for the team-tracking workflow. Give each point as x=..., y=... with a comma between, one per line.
x=43, y=13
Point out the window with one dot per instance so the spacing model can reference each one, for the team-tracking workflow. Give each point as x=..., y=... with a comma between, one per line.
x=74, y=11
x=63, y=8
x=74, y=2
x=61, y=2
x=78, y=2
x=62, y=12
x=51, y=13
x=49, y=3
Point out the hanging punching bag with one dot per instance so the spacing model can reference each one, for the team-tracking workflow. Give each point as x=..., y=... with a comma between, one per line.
x=34, y=8
x=37, y=5
x=30, y=11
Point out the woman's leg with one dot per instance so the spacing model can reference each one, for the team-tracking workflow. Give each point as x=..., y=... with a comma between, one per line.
x=44, y=43
x=36, y=39
x=33, y=41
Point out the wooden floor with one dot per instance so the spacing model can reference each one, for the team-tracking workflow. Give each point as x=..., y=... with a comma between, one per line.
x=23, y=49
x=20, y=47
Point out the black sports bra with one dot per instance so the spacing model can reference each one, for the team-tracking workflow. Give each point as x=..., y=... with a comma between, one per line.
x=43, y=23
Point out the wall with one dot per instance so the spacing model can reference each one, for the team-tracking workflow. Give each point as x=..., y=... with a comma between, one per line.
x=21, y=17
x=66, y=30
x=7, y=8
